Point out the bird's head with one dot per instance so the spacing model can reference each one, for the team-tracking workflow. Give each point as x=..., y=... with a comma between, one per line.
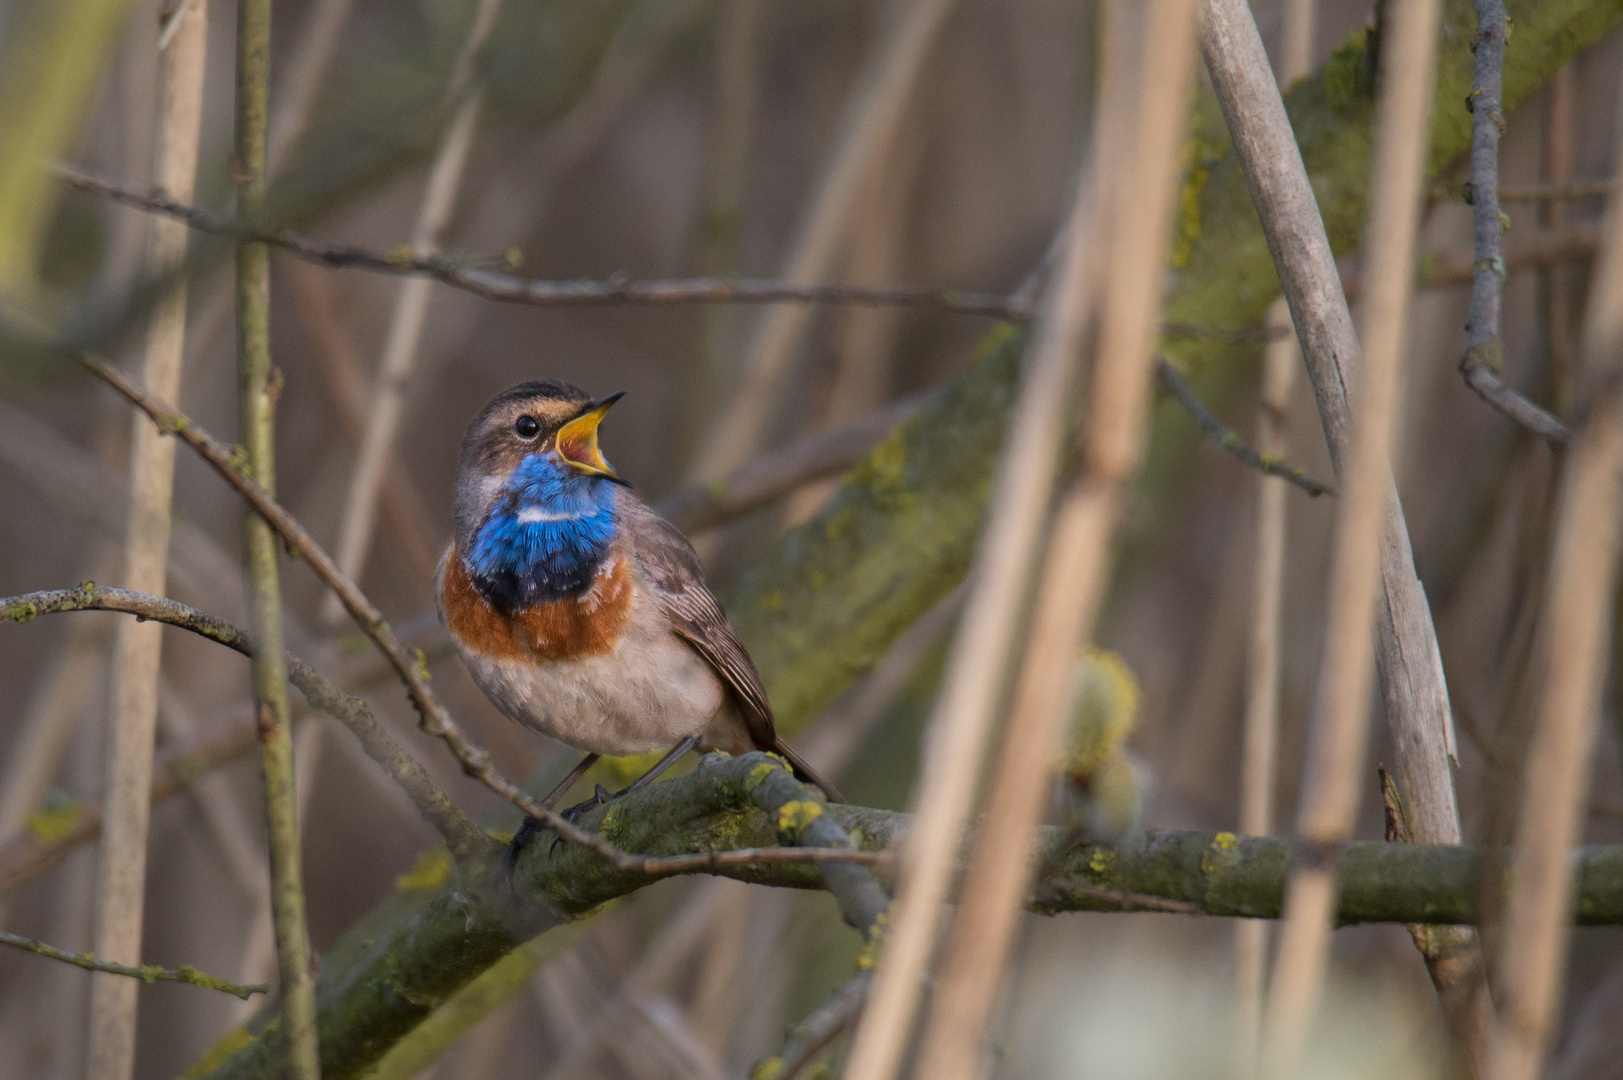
x=538, y=438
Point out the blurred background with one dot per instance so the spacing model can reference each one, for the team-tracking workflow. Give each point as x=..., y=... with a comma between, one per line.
x=659, y=138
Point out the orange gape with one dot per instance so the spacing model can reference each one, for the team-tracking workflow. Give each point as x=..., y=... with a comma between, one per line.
x=569, y=629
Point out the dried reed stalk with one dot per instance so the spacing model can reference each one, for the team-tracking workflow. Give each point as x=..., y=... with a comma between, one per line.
x=982, y=653
x=1555, y=282
x=307, y=66
x=1335, y=765
x=132, y=721
x=872, y=120
x=1143, y=179
x=1582, y=578
x=1415, y=692
x=410, y=313
x=1261, y=734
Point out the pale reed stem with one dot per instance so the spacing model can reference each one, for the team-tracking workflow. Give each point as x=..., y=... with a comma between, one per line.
x=410, y=315
x=1335, y=765
x=1261, y=734
x=1577, y=614
x=873, y=119
x=132, y=721
x=1143, y=179
x=972, y=686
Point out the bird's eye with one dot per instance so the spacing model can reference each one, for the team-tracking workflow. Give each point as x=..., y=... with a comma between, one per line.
x=526, y=427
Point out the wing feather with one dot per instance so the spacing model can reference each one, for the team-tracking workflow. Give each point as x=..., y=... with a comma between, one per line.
x=676, y=577
x=672, y=568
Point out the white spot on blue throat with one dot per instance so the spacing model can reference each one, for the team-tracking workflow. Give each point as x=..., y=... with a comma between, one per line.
x=548, y=530
x=530, y=515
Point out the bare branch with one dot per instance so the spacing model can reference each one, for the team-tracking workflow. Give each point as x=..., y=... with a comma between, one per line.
x=493, y=285
x=147, y=973
x=461, y=835
x=808, y=1039
x=395, y=972
x=1484, y=348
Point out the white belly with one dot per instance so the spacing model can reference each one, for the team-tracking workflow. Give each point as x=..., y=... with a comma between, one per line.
x=648, y=694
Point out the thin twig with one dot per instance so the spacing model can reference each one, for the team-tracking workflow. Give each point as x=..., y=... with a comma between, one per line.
x=493, y=285
x=1260, y=741
x=269, y=668
x=1153, y=52
x=1484, y=347
x=1266, y=462
x=147, y=973
x=1118, y=899
x=808, y=1039
x=132, y=720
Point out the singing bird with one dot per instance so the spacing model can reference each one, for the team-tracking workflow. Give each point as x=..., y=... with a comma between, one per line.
x=579, y=611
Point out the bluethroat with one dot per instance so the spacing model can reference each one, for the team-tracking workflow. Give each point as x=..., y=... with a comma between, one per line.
x=579, y=611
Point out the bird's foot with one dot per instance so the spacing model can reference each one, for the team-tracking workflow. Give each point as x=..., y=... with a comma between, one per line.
x=533, y=826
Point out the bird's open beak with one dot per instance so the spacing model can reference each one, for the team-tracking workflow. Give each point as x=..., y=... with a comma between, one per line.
x=577, y=440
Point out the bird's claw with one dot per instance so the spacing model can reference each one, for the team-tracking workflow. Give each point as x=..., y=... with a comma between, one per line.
x=533, y=826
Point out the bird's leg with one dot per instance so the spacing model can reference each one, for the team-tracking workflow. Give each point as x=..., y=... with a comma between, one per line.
x=526, y=832
x=660, y=766
x=601, y=796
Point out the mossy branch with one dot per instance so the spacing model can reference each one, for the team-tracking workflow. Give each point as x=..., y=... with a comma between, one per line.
x=439, y=931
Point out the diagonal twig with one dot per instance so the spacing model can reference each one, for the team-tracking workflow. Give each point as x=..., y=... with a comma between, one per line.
x=1224, y=436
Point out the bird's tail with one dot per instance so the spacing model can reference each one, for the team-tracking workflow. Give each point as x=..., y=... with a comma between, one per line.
x=805, y=771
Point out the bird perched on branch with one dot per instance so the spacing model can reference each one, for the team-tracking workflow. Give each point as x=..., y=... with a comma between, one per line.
x=579, y=611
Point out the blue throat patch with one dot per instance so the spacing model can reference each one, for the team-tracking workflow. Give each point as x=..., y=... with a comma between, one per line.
x=545, y=538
